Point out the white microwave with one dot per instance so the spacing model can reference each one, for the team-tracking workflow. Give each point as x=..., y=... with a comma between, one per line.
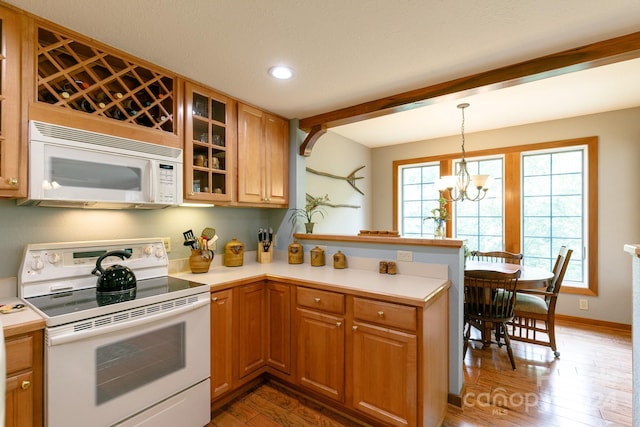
x=76, y=168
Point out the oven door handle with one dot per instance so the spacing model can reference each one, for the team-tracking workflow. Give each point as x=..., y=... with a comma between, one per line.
x=67, y=334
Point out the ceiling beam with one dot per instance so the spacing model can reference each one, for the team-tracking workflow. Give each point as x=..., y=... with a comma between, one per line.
x=577, y=59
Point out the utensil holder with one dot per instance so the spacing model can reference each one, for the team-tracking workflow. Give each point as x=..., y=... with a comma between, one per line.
x=200, y=260
x=262, y=256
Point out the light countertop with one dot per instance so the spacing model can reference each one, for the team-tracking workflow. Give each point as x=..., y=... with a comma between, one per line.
x=19, y=322
x=402, y=288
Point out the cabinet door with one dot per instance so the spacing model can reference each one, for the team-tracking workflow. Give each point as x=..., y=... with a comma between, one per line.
x=221, y=342
x=13, y=161
x=320, y=353
x=252, y=328
x=209, y=148
x=279, y=325
x=384, y=374
x=19, y=400
x=251, y=152
x=277, y=160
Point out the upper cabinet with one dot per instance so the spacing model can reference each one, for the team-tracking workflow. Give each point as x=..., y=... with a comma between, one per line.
x=209, y=146
x=263, y=158
x=13, y=162
x=82, y=83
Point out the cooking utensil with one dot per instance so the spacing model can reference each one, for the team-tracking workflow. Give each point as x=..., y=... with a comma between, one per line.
x=208, y=233
x=116, y=278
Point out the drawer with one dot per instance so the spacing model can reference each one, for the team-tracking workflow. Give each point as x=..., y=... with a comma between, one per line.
x=19, y=354
x=321, y=300
x=385, y=313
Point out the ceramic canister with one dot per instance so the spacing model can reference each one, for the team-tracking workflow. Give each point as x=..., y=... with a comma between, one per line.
x=295, y=252
x=339, y=260
x=317, y=257
x=233, y=253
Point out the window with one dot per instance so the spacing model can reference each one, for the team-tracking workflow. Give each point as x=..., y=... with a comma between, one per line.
x=553, y=208
x=543, y=196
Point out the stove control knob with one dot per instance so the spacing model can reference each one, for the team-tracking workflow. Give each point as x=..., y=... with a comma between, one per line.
x=54, y=258
x=159, y=252
x=148, y=250
x=36, y=263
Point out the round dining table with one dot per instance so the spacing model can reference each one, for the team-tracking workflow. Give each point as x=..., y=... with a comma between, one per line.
x=530, y=277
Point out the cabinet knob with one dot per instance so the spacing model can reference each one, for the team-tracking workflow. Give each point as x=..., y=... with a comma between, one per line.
x=12, y=181
x=354, y=328
x=214, y=299
x=381, y=314
x=25, y=385
x=338, y=324
x=317, y=300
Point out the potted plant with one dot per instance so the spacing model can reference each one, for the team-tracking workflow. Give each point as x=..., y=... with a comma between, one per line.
x=440, y=216
x=311, y=208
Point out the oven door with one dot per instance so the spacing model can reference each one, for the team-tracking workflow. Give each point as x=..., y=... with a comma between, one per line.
x=110, y=373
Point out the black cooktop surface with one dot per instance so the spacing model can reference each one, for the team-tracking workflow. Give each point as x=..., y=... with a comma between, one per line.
x=86, y=299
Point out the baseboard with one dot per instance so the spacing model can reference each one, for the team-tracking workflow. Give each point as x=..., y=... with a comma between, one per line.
x=456, y=399
x=593, y=322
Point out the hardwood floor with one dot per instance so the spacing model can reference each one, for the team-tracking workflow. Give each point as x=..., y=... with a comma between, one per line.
x=590, y=385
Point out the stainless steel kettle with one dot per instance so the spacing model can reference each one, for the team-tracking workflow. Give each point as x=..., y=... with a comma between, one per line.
x=116, y=278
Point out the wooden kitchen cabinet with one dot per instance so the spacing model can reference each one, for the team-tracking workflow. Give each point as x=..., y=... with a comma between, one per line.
x=252, y=328
x=221, y=343
x=13, y=160
x=23, y=398
x=82, y=83
x=320, y=342
x=279, y=326
x=263, y=158
x=383, y=369
x=209, y=146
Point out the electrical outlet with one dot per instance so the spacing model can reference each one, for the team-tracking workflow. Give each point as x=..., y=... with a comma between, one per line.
x=406, y=256
x=584, y=304
x=167, y=244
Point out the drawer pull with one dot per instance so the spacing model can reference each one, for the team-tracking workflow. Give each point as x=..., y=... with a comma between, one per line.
x=25, y=385
x=381, y=314
x=214, y=299
x=317, y=300
x=354, y=328
x=338, y=324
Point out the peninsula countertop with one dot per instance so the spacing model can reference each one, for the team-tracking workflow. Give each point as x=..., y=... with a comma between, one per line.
x=402, y=288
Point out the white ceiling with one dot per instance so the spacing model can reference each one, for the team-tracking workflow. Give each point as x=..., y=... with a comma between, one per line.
x=348, y=52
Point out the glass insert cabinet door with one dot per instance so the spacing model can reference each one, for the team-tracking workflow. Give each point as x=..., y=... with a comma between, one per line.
x=209, y=147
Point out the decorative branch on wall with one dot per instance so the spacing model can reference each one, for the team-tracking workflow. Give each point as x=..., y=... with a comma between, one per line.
x=331, y=205
x=351, y=178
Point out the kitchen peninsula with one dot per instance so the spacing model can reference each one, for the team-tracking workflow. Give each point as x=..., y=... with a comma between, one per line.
x=374, y=345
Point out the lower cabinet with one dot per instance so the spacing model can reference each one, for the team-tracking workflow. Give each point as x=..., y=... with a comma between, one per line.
x=387, y=362
x=23, y=398
x=384, y=370
x=320, y=352
x=221, y=342
x=252, y=328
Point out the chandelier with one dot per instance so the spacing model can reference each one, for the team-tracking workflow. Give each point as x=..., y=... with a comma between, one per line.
x=458, y=185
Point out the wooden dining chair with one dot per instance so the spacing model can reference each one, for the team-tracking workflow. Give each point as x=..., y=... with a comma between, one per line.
x=497, y=256
x=534, y=312
x=489, y=299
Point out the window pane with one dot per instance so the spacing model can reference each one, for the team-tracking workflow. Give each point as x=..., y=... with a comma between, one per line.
x=419, y=196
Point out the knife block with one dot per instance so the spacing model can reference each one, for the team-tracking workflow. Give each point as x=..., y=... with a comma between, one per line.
x=264, y=257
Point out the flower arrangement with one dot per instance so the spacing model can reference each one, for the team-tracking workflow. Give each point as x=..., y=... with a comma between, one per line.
x=311, y=208
x=440, y=216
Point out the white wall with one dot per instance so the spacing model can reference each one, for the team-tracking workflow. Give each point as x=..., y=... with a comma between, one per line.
x=340, y=156
x=618, y=204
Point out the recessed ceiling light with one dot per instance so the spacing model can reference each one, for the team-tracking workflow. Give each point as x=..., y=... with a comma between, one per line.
x=281, y=72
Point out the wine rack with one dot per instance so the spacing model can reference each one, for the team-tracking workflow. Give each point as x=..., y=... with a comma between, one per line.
x=78, y=76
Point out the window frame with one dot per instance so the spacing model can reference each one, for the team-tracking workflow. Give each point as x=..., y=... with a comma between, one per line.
x=513, y=196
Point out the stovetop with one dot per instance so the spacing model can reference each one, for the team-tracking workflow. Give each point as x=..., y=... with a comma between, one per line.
x=64, y=303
